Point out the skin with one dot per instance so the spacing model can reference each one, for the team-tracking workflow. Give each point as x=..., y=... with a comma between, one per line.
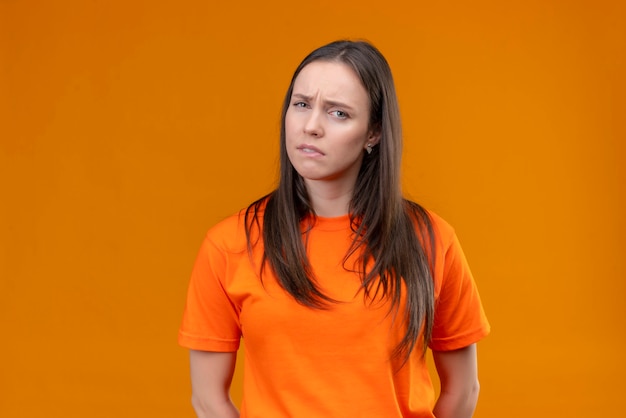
x=327, y=131
x=211, y=376
x=458, y=374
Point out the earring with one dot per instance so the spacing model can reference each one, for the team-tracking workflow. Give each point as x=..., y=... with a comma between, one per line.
x=369, y=148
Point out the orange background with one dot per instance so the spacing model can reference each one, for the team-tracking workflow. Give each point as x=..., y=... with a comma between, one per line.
x=128, y=128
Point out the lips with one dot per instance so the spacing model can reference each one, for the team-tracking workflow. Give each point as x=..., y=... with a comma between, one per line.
x=309, y=149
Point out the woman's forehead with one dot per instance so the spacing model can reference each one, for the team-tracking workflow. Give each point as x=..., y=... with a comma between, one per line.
x=331, y=79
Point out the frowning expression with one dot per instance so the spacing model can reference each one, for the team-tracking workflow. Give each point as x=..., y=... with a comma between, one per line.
x=327, y=123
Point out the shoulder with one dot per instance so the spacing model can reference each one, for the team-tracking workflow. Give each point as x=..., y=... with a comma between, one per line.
x=430, y=225
x=230, y=235
x=228, y=227
x=443, y=231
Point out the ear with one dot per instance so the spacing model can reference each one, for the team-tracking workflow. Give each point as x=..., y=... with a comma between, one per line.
x=373, y=137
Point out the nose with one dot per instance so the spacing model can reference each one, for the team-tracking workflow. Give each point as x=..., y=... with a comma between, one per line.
x=313, y=125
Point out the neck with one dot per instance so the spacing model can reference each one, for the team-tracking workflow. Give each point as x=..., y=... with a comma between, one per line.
x=329, y=199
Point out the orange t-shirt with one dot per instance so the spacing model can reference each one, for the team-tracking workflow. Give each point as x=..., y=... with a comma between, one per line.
x=309, y=363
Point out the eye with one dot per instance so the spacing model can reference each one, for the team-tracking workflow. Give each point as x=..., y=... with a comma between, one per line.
x=339, y=114
x=300, y=104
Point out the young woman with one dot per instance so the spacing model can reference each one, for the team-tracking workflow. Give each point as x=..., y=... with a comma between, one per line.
x=335, y=281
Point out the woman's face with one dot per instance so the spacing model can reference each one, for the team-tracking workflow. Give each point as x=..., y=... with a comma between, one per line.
x=327, y=123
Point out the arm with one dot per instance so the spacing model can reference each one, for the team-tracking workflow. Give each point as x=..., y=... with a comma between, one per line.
x=458, y=374
x=211, y=375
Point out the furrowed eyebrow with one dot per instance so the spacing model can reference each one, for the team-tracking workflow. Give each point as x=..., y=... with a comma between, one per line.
x=327, y=102
x=302, y=96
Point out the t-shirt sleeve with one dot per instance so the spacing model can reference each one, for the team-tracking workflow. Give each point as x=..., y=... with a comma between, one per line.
x=459, y=316
x=211, y=319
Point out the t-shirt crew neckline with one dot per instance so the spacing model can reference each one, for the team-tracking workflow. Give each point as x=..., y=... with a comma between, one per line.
x=335, y=223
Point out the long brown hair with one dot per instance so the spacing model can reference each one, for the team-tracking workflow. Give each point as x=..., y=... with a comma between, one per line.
x=388, y=229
